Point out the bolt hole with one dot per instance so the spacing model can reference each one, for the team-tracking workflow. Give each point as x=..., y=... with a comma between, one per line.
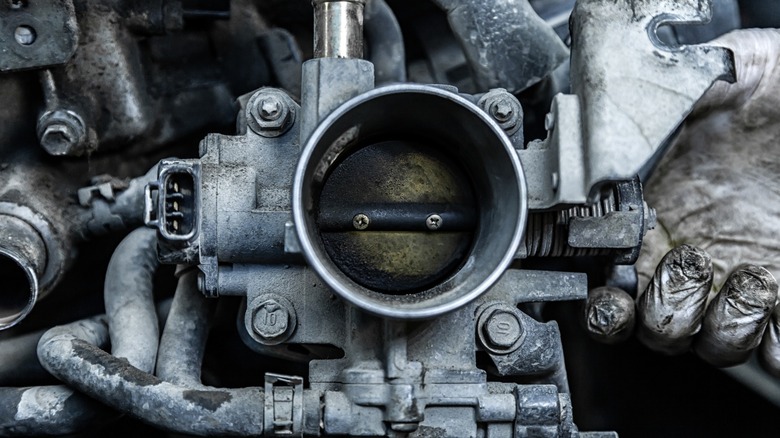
x=25, y=35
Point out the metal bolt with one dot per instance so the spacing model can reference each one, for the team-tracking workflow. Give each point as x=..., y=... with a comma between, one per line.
x=502, y=110
x=58, y=138
x=62, y=132
x=502, y=329
x=433, y=222
x=270, y=113
x=271, y=319
x=270, y=109
x=360, y=222
x=24, y=35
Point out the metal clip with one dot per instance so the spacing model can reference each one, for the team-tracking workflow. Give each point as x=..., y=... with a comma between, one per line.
x=283, y=415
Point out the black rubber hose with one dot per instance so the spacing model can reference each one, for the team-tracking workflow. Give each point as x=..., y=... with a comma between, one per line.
x=55, y=409
x=129, y=299
x=385, y=42
x=201, y=411
x=183, y=342
x=506, y=43
x=19, y=364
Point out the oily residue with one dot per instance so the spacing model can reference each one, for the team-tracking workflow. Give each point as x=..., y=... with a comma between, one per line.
x=210, y=400
x=113, y=366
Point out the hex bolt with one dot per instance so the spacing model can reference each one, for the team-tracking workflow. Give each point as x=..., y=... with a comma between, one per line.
x=271, y=320
x=433, y=222
x=62, y=132
x=270, y=113
x=502, y=329
x=25, y=35
x=502, y=110
x=361, y=222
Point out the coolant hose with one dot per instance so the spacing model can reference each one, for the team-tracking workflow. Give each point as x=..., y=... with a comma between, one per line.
x=385, y=42
x=183, y=342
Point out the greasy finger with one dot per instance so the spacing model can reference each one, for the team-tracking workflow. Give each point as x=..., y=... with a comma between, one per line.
x=609, y=315
x=769, y=354
x=670, y=311
x=737, y=317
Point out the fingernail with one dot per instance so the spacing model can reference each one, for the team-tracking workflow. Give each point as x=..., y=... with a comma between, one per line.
x=670, y=311
x=609, y=315
x=737, y=318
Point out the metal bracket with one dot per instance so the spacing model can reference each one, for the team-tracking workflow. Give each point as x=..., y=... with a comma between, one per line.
x=37, y=34
x=631, y=94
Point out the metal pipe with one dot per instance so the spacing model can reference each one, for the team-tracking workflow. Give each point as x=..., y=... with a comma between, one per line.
x=338, y=29
x=129, y=301
x=22, y=263
x=180, y=356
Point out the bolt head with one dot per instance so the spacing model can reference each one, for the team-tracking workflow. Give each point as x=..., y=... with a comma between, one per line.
x=502, y=110
x=270, y=109
x=270, y=320
x=502, y=329
x=62, y=132
x=433, y=222
x=270, y=113
x=59, y=139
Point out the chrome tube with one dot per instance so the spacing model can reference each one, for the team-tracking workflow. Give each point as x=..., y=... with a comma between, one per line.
x=338, y=29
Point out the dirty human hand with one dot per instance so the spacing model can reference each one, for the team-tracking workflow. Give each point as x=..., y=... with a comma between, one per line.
x=707, y=272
